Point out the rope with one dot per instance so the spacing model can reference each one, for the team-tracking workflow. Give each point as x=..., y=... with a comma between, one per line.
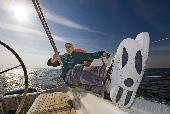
x=42, y=18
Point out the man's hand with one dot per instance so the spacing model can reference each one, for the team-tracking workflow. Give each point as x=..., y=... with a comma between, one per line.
x=106, y=54
x=55, y=58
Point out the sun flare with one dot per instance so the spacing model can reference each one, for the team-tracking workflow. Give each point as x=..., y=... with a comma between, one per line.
x=20, y=13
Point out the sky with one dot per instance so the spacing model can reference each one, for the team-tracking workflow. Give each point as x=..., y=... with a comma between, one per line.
x=92, y=25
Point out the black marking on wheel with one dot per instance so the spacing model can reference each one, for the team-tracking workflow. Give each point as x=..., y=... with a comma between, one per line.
x=138, y=62
x=128, y=97
x=124, y=57
x=119, y=94
x=128, y=82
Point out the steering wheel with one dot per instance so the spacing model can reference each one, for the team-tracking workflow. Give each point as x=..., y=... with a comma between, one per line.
x=25, y=75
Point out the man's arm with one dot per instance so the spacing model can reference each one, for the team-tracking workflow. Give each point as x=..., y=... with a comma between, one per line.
x=54, y=64
x=96, y=55
x=53, y=61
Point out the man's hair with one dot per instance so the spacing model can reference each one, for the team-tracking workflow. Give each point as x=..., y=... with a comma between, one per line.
x=68, y=44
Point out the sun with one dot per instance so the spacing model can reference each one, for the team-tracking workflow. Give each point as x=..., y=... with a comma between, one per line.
x=20, y=12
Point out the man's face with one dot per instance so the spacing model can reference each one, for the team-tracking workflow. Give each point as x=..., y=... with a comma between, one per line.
x=69, y=49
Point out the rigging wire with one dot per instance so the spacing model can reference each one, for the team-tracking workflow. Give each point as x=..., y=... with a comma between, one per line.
x=156, y=41
x=9, y=69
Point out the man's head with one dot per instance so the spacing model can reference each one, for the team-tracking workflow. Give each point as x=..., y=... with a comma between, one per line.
x=69, y=48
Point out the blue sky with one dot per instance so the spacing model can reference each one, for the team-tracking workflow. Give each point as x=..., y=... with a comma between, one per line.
x=92, y=25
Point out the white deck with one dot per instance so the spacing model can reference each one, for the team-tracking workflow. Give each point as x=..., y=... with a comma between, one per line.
x=97, y=105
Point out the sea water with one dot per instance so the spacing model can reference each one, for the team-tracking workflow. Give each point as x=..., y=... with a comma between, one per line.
x=155, y=85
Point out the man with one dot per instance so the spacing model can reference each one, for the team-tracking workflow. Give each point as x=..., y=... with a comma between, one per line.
x=72, y=58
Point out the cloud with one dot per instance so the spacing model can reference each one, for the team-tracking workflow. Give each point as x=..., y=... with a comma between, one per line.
x=7, y=4
x=68, y=23
x=28, y=54
x=15, y=28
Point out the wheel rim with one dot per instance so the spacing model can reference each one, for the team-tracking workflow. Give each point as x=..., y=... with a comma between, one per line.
x=25, y=76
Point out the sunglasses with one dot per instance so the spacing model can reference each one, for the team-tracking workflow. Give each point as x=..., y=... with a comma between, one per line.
x=68, y=46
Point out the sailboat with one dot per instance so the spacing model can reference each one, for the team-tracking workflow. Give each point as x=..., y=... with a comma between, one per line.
x=125, y=78
x=127, y=71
